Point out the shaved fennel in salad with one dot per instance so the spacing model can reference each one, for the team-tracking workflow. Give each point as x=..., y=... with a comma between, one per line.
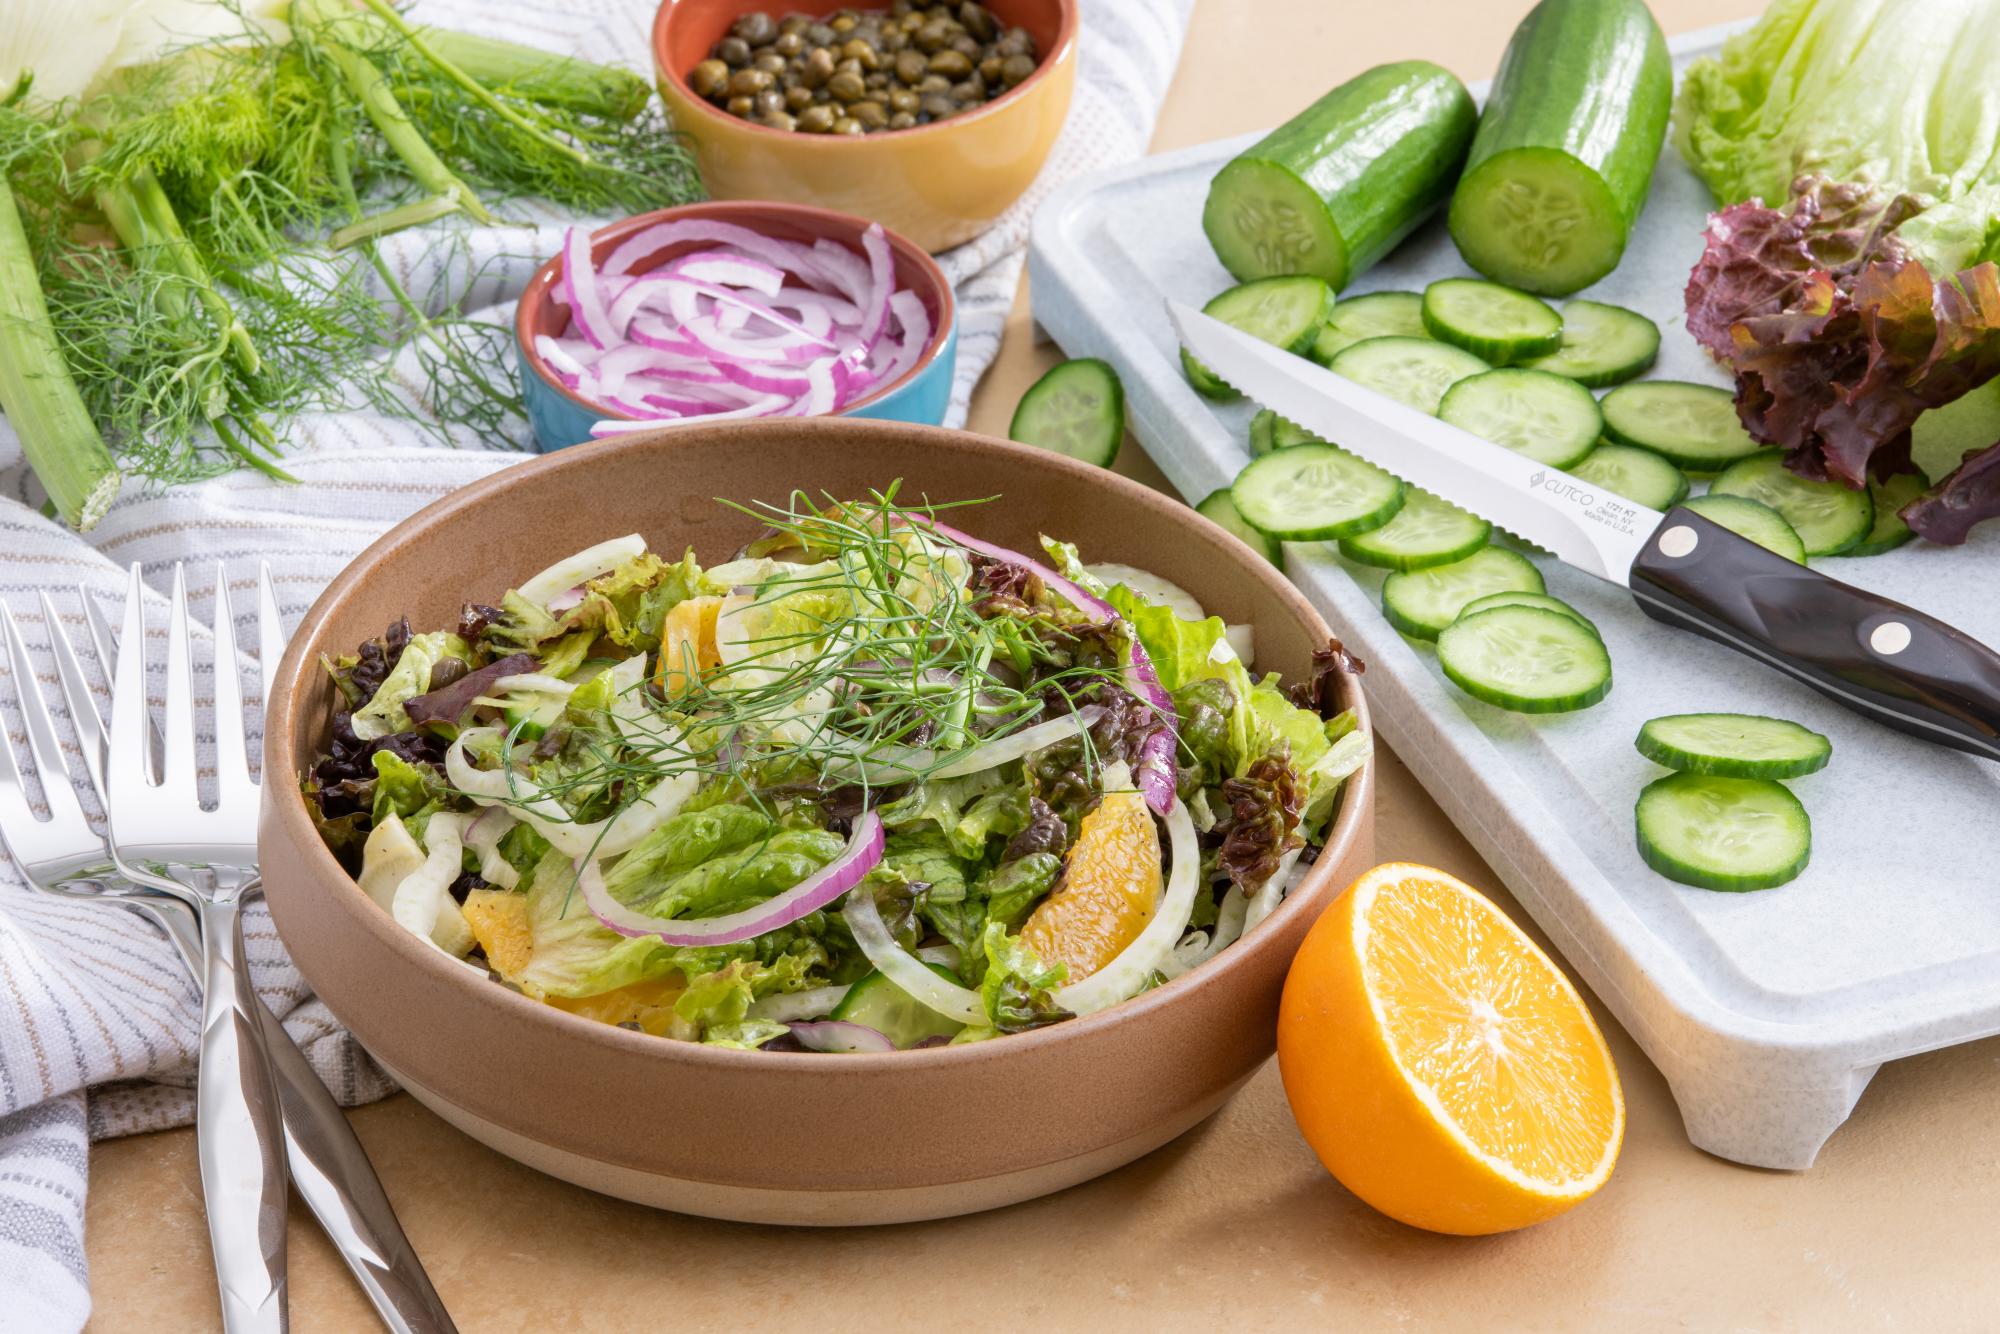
x=874, y=783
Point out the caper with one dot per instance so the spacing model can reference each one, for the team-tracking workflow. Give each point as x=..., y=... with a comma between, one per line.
x=847, y=87
x=911, y=66
x=849, y=125
x=911, y=21
x=902, y=99
x=819, y=34
x=933, y=36
x=978, y=20
x=842, y=23
x=778, y=120
x=798, y=97
x=749, y=82
x=709, y=78
x=968, y=93
x=755, y=27
x=934, y=83
x=1015, y=68
x=951, y=64
x=768, y=103
x=894, y=40
x=733, y=51
x=902, y=120
x=794, y=24
x=870, y=114
x=857, y=50
x=789, y=44
x=817, y=119
x=769, y=61
x=848, y=67
x=740, y=106
x=938, y=106
x=878, y=82
x=1015, y=43
x=989, y=68
x=819, y=67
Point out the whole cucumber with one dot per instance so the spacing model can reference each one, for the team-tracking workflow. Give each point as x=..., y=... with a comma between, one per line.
x=1334, y=189
x=1566, y=146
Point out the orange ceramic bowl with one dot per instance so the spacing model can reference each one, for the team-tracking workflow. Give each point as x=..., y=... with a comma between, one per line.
x=937, y=184
x=764, y=1136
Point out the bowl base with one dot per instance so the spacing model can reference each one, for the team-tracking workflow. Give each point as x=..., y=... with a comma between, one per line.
x=810, y=1208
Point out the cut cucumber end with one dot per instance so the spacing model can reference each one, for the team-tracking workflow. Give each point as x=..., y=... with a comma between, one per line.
x=1723, y=833
x=1526, y=659
x=1539, y=220
x=1263, y=221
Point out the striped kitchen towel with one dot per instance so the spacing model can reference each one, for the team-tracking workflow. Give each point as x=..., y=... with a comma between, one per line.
x=97, y=1016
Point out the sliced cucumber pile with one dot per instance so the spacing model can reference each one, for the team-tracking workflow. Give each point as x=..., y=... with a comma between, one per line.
x=1723, y=833
x=1315, y=492
x=1517, y=599
x=1639, y=475
x=1422, y=603
x=1550, y=419
x=1602, y=345
x=1285, y=312
x=1828, y=517
x=1374, y=315
x=1693, y=426
x=1416, y=371
x=1425, y=532
x=1734, y=745
x=880, y=1004
x=1221, y=511
x=1527, y=659
x=1749, y=518
x=1077, y=409
x=1889, y=531
x=1494, y=323
x=1269, y=431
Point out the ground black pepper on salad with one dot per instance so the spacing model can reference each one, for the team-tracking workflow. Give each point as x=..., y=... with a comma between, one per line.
x=873, y=784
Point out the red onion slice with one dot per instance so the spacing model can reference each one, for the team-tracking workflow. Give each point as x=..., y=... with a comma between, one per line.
x=724, y=270
x=881, y=282
x=863, y=851
x=587, y=309
x=838, y=1035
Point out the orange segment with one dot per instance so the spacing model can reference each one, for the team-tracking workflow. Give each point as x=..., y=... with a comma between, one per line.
x=499, y=922
x=687, y=636
x=647, y=1004
x=1110, y=887
x=1440, y=1065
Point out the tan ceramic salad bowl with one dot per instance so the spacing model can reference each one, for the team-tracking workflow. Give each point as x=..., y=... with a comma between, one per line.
x=774, y=1137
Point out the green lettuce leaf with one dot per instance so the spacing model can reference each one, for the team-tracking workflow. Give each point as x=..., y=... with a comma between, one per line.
x=1013, y=888
x=383, y=714
x=738, y=879
x=403, y=789
x=926, y=858
x=680, y=845
x=1017, y=989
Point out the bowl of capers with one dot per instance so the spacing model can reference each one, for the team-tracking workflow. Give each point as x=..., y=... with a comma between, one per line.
x=928, y=118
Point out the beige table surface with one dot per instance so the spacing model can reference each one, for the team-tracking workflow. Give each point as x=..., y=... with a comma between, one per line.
x=1234, y=1226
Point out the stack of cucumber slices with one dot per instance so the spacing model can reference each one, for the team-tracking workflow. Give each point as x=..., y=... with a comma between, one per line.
x=1722, y=820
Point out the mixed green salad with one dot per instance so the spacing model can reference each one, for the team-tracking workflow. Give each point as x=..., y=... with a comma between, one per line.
x=873, y=784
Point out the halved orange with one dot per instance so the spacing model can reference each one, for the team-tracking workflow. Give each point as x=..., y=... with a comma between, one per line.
x=1110, y=889
x=1441, y=1066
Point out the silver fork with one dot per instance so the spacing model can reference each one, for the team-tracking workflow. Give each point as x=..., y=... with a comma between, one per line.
x=327, y=1162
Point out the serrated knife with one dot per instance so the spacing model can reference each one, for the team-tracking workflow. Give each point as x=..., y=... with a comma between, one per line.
x=1879, y=658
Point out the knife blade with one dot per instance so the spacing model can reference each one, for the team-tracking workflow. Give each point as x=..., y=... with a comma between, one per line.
x=1877, y=657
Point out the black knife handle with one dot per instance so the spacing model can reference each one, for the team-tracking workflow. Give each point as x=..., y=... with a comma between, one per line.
x=1877, y=657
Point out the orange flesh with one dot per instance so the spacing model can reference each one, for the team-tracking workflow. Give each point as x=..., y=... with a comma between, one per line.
x=688, y=637
x=1110, y=888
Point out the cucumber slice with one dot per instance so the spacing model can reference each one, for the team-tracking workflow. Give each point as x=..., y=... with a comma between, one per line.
x=1734, y=745
x=1269, y=431
x=1422, y=603
x=1495, y=323
x=1639, y=475
x=1374, y=315
x=1334, y=188
x=1749, y=518
x=1311, y=493
x=1415, y=371
x=1221, y=511
x=893, y=1012
x=1514, y=599
x=1285, y=312
x=1566, y=145
x=1077, y=409
x=1549, y=419
x=1828, y=517
x=1526, y=659
x=1723, y=833
x=1889, y=531
x=1602, y=345
x=1693, y=426
x=1425, y=532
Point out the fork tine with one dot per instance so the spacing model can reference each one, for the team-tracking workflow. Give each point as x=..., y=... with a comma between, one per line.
x=104, y=645
x=232, y=758
x=131, y=761
x=43, y=743
x=270, y=631
x=15, y=812
x=178, y=723
x=83, y=712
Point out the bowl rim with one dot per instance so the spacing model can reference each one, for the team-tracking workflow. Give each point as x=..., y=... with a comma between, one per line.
x=1063, y=51
x=286, y=818
x=535, y=293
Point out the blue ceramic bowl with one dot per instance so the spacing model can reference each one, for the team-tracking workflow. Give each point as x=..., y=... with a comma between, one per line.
x=561, y=417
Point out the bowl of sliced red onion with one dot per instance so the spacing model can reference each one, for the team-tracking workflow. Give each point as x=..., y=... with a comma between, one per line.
x=725, y=311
